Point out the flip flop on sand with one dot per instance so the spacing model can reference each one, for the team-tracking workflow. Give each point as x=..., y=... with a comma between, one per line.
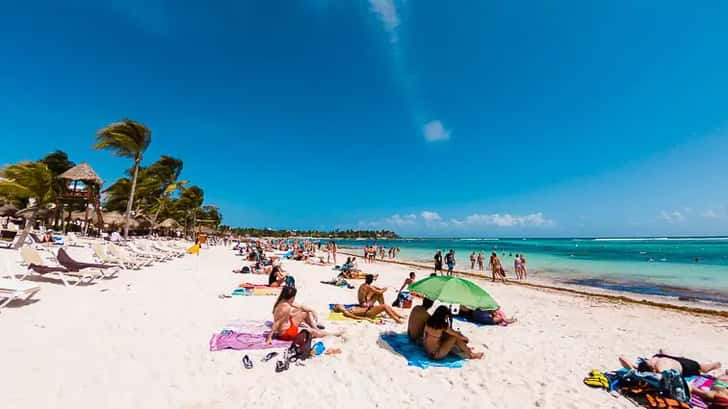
x=247, y=363
x=281, y=366
x=270, y=356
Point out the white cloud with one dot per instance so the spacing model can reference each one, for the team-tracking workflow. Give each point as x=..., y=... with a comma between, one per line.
x=711, y=214
x=387, y=13
x=672, y=217
x=435, y=131
x=398, y=220
x=430, y=217
x=433, y=220
x=507, y=220
x=395, y=220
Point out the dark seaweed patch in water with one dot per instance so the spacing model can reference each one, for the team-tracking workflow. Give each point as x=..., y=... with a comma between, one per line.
x=651, y=289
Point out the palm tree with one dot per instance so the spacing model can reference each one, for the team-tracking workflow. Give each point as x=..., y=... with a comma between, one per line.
x=128, y=139
x=28, y=180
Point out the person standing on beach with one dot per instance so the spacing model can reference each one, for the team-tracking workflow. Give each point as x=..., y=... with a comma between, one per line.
x=333, y=250
x=480, y=260
x=496, y=268
x=524, y=270
x=472, y=260
x=517, y=266
x=438, y=261
x=450, y=261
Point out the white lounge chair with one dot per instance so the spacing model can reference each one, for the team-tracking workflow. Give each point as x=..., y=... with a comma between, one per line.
x=140, y=251
x=12, y=289
x=127, y=258
x=35, y=263
x=103, y=257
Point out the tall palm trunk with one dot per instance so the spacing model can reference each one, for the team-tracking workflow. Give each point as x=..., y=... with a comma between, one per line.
x=137, y=161
x=26, y=230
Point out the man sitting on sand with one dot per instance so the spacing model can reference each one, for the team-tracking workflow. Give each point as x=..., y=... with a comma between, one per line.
x=368, y=294
x=288, y=316
x=661, y=362
x=440, y=339
x=417, y=320
x=359, y=313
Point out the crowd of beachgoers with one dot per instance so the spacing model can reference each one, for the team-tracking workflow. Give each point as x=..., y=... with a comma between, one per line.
x=662, y=379
x=419, y=328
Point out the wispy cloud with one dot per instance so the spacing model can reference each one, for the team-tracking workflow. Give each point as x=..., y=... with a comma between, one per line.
x=388, y=14
x=428, y=219
x=714, y=213
x=674, y=216
x=430, y=216
x=507, y=220
x=395, y=220
x=386, y=11
x=435, y=131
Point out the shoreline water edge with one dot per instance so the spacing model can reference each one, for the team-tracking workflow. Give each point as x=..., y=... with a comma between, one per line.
x=679, y=281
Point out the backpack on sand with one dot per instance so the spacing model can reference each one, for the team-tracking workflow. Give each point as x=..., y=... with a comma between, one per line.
x=300, y=348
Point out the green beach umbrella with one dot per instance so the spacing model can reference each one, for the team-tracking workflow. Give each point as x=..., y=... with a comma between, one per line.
x=454, y=290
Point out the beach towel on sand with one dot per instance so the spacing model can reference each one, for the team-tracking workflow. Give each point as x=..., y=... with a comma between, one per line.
x=699, y=382
x=416, y=355
x=256, y=291
x=243, y=335
x=243, y=341
x=337, y=316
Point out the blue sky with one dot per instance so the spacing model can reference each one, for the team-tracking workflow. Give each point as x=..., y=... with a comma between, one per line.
x=472, y=118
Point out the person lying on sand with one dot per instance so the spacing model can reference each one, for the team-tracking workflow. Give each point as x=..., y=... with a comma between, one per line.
x=485, y=317
x=661, y=362
x=718, y=392
x=440, y=339
x=368, y=294
x=338, y=282
x=288, y=316
x=258, y=268
x=417, y=319
x=360, y=313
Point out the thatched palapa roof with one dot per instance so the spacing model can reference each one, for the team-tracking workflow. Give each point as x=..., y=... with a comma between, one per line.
x=82, y=172
x=118, y=219
x=169, y=223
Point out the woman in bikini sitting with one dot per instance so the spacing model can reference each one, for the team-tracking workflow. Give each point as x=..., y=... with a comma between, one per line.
x=288, y=316
x=440, y=339
x=277, y=277
x=361, y=313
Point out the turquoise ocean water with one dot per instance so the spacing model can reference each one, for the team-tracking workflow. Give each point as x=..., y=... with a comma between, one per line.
x=694, y=267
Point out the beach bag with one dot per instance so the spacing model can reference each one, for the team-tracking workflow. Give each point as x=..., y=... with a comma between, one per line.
x=290, y=282
x=673, y=385
x=301, y=346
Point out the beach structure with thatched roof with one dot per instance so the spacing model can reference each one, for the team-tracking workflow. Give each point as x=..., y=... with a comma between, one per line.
x=89, y=192
x=82, y=172
x=169, y=223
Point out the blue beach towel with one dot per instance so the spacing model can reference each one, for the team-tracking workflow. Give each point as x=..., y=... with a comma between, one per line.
x=415, y=355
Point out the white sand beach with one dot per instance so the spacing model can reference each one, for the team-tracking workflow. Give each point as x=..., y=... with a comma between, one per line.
x=141, y=341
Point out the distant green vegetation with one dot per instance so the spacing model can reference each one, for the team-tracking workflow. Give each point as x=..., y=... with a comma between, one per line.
x=340, y=234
